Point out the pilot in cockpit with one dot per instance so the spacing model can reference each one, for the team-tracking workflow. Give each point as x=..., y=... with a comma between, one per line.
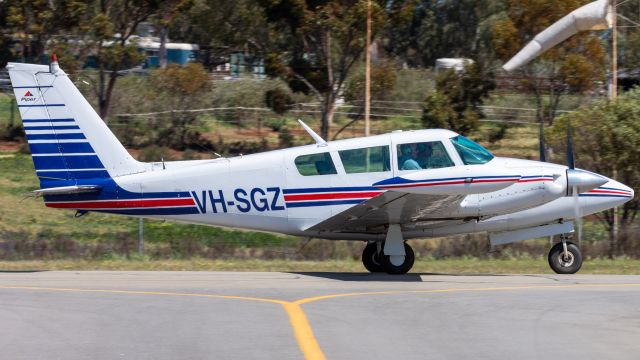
x=407, y=160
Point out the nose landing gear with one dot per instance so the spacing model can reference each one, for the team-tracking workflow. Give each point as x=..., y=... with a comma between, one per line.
x=565, y=257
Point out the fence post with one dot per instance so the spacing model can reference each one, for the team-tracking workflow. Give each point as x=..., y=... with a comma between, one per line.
x=141, y=236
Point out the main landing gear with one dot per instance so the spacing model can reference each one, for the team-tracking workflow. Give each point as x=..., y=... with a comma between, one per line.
x=565, y=257
x=392, y=256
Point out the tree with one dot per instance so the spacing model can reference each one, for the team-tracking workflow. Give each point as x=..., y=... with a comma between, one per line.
x=455, y=104
x=573, y=66
x=179, y=89
x=383, y=79
x=315, y=44
x=112, y=26
x=433, y=29
x=220, y=27
x=607, y=141
x=36, y=22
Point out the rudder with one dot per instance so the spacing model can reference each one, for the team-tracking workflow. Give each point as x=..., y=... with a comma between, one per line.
x=69, y=142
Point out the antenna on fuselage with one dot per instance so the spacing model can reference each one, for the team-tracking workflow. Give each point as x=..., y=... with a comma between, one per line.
x=319, y=141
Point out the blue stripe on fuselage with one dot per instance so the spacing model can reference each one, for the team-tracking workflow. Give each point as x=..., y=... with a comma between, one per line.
x=334, y=189
x=157, y=211
x=323, y=203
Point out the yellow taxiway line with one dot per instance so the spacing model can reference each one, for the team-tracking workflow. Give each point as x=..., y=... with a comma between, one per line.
x=299, y=322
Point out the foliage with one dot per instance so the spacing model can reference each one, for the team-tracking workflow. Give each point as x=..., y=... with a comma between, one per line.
x=434, y=29
x=278, y=99
x=314, y=44
x=285, y=139
x=606, y=141
x=180, y=88
x=383, y=79
x=411, y=85
x=455, y=104
x=222, y=27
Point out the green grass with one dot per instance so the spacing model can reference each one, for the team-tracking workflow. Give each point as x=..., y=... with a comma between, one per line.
x=451, y=266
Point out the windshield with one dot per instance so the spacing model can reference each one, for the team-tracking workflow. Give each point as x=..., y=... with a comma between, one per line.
x=470, y=152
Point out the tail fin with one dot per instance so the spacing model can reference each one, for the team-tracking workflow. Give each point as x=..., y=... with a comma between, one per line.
x=69, y=142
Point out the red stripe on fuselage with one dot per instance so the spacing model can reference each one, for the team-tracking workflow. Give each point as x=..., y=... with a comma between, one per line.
x=620, y=192
x=331, y=196
x=120, y=204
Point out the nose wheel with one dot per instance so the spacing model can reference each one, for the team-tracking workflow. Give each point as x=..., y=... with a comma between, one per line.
x=565, y=257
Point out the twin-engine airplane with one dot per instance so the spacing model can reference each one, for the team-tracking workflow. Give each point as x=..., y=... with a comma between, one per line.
x=380, y=189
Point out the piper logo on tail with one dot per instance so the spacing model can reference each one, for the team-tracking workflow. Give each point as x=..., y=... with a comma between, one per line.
x=28, y=96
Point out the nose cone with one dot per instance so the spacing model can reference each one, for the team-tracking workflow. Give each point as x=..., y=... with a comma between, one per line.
x=584, y=180
x=613, y=192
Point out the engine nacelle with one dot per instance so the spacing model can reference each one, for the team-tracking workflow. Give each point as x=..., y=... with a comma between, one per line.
x=461, y=180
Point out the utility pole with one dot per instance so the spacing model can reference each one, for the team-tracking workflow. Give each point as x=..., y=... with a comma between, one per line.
x=613, y=94
x=367, y=75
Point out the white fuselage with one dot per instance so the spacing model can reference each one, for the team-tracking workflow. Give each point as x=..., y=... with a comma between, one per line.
x=267, y=192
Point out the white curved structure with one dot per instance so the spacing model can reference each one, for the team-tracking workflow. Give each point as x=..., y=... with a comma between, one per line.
x=593, y=16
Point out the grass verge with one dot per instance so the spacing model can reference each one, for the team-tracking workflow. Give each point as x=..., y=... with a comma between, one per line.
x=451, y=266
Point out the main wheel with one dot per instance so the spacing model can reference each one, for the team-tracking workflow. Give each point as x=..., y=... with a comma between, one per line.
x=561, y=264
x=396, y=265
x=371, y=259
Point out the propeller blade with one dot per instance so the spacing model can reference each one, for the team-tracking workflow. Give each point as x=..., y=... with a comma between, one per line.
x=577, y=214
x=543, y=153
x=570, y=158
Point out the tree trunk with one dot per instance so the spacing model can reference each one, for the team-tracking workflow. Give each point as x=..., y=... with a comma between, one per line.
x=327, y=109
x=162, y=53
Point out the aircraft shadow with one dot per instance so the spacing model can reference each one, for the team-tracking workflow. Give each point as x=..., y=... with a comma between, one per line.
x=363, y=277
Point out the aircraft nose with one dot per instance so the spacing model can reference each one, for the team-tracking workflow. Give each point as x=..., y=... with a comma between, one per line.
x=617, y=191
x=628, y=190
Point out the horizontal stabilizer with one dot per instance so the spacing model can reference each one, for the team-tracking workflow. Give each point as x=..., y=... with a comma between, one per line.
x=64, y=190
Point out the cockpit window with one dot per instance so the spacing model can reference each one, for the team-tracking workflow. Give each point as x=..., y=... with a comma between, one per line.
x=315, y=164
x=423, y=155
x=470, y=152
x=365, y=160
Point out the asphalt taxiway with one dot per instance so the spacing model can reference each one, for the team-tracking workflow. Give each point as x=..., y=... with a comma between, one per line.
x=232, y=315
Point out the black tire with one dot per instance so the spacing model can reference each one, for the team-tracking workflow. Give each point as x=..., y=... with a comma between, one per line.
x=565, y=266
x=371, y=259
x=404, y=267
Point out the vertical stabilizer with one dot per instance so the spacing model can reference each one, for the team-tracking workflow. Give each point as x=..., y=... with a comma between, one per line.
x=69, y=142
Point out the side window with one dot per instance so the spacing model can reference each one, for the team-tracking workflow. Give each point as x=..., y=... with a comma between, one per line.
x=424, y=155
x=315, y=164
x=365, y=160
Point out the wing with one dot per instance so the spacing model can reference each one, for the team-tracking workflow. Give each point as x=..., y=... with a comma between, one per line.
x=393, y=207
x=421, y=199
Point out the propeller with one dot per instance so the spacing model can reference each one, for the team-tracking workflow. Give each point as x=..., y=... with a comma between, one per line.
x=571, y=163
x=579, y=181
x=543, y=156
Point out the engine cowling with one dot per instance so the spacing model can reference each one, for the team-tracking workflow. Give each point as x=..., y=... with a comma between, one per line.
x=461, y=180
